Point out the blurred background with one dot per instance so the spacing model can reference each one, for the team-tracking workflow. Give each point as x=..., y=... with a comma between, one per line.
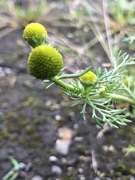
x=38, y=128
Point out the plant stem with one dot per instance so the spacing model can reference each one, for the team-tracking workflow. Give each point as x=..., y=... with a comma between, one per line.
x=62, y=83
x=74, y=75
x=115, y=97
x=122, y=98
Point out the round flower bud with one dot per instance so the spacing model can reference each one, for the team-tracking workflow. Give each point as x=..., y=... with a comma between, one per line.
x=35, y=34
x=44, y=62
x=88, y=78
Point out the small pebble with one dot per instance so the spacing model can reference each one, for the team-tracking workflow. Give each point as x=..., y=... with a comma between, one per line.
x=62, y=146
x=81, y=177
x=7, y=70
x=132, y=178
x=48, y=103
x=76, y=126
x=56, y=170
x=96, y=178
x=78, y=139
x=58, y=117
x=53, y=159
x=37, y=177
x=22, y=166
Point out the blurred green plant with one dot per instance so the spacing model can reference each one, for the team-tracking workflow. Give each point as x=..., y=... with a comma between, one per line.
x=33, y=13
x=21, y=15
x=99, y=89
x=122, y=12
x=129, y=150
x=14, y=172
x=92, y=16
x=130, y=38
x=108, y=20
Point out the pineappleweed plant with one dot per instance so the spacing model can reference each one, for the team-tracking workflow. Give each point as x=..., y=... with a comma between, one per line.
x=98, y=89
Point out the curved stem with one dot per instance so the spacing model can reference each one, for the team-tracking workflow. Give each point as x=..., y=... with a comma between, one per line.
x=62, y=83
x=117, y=97
x=74, y=75
x=122, y=98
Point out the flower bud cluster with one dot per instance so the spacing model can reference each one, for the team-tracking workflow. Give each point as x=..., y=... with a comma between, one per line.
x=44, y=61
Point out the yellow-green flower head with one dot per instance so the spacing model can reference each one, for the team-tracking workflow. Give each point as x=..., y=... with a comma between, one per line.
x=44, y=62
x=35, y=34
x=88, y=78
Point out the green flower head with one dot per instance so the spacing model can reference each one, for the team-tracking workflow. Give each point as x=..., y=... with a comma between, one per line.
x=35, y=34
x=88, y=79
x=45, y=62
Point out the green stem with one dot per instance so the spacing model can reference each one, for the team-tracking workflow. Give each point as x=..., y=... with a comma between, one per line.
x=122, y=98
x=62, y=83
x=65, y=76
x=14, y=172
x=115, y=97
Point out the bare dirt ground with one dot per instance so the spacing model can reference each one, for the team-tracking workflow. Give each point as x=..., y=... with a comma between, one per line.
x=34, y=119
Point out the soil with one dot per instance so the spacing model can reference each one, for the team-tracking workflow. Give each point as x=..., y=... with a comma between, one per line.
x=31, y=117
